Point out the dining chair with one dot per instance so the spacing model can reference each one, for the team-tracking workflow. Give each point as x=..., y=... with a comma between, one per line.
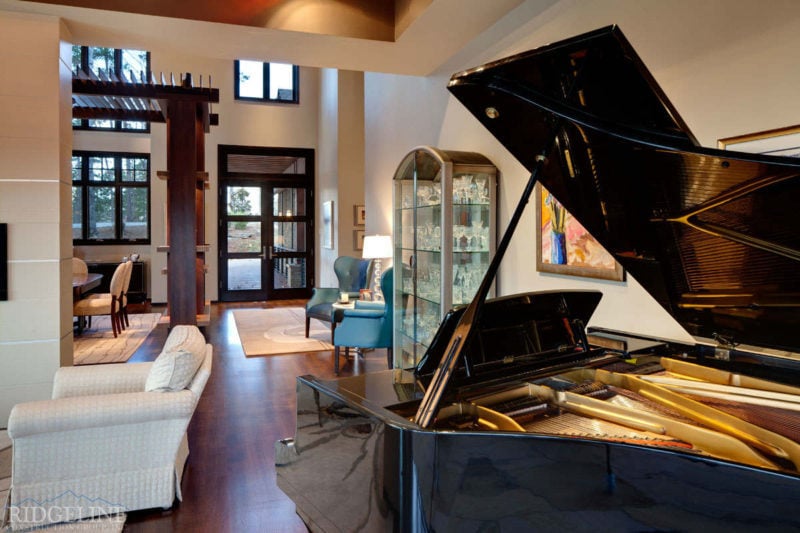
x=79, y=266
x=123, y=305
x=106, y=303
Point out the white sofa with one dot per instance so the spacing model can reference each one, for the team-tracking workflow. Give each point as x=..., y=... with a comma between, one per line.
x=113, y=437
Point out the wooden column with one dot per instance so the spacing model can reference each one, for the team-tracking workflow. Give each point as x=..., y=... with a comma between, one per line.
x=182, y=214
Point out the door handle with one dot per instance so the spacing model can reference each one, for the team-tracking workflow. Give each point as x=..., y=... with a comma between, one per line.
x=263, y=254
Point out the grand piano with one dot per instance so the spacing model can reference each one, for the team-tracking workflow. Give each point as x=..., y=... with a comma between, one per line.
x=519, y=418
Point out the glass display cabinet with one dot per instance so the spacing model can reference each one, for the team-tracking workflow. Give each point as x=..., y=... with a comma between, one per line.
x=444, y=238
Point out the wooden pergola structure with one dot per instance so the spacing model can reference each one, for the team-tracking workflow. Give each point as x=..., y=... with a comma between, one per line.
x=186, y=110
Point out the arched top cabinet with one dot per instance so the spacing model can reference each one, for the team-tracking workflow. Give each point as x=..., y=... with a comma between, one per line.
x=445, y=226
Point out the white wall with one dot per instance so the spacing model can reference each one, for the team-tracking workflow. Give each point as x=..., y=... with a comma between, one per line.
x=328, y=179
x=350, y=144
x=341, y=165
x=35, y=202
x=726, y=66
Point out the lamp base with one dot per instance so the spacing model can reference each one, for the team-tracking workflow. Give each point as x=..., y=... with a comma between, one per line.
x=377, y=294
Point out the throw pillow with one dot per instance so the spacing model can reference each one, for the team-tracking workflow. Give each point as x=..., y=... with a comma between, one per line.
x=182, y=355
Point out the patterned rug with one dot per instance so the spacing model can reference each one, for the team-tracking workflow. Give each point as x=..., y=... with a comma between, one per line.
x=280, y=331
x=98, y=345
x=95, y=525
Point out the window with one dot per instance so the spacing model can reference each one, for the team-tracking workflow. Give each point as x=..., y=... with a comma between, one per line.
x=267, y=82
x=111, y=63
x=110, y=197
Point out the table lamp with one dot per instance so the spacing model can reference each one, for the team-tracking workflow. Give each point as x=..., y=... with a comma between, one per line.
x=377, y=247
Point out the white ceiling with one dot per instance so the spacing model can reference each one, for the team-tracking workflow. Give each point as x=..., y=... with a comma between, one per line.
x=439, y=32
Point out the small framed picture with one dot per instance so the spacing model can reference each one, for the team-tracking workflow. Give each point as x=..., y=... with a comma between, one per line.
x=358, y=239
x=359, y=215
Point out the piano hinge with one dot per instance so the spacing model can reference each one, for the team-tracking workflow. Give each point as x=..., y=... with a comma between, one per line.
x=725, y=344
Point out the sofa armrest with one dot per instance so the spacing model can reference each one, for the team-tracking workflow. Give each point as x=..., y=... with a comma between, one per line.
x=105, y=410
x=100, y=379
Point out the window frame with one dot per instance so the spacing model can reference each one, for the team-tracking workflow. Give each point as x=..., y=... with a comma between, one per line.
x=266, y=85
x=118, y=124
x=118, y=184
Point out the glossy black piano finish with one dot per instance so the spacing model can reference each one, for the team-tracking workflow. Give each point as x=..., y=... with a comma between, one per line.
x=357, y=466
x=710, y=234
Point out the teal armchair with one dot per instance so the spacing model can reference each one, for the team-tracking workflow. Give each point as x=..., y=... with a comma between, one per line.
x=353, y=274
x=369, y=325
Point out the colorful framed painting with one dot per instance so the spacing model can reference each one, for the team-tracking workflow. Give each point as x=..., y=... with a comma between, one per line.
x=563, y=246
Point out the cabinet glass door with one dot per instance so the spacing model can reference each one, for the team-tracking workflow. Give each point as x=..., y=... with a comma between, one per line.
x=472, y=233
x=418, y=255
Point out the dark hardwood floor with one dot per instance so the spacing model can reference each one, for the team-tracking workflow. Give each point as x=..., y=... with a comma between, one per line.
x=249, y=403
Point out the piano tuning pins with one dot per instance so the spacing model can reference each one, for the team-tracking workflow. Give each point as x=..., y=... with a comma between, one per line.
x=492, y=112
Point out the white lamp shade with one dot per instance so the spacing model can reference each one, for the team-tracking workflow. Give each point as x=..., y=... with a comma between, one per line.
x=377, y=247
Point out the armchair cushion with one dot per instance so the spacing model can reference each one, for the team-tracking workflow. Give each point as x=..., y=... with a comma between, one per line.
x=178, y=362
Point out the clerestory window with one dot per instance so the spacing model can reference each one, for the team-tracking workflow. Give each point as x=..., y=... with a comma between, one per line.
x=111, y=63
x=266, y=82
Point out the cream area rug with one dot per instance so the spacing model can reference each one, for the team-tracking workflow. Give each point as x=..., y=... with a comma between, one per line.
x=280, y=331
x=98, y=345
x=113, y=524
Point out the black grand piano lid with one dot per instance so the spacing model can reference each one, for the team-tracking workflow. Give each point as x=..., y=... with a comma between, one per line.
x=710, y=234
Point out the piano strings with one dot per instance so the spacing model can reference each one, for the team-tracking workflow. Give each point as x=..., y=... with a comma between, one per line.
x=657, y=407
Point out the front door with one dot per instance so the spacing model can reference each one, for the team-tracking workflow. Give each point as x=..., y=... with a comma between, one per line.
x=265, y=223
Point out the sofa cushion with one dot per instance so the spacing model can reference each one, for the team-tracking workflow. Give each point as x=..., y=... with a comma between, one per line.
x=176, y=365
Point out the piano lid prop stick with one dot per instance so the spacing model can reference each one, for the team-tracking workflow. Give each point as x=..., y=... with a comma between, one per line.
x=427, y=408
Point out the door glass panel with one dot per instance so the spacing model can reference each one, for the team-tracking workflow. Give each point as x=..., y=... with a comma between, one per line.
x=244, y=274
x=290, y=273
x=244, y=237
x=244, y=201
x=288, y=202
x=289, y=236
